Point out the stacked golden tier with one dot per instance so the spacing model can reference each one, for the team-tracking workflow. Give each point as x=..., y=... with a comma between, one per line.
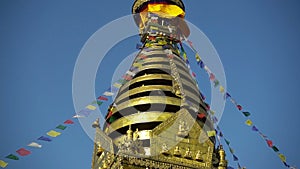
x=158, y=118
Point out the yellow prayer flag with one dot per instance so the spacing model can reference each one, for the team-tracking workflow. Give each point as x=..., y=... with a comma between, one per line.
x=91, y=107
x=212, y=112
x=3, y=164
x=53, y=133
x=139, y=65
x=117, y=85
x=211, y=133
x=282, y=157
x=222, y=89
x=198, y=59
x=249, y=122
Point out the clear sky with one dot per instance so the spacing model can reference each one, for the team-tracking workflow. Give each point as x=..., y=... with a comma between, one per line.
x=258, y=43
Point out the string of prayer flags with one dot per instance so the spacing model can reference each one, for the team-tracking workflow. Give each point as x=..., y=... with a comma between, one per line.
x=3, y=164
x=23, y=152
x=227, y=142
x=53, y=133
x=34, y=144
x=43, y=138
x=12, y=157
x=238, y=106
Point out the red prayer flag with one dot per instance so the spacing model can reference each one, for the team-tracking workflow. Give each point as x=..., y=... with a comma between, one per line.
x=212, y=77
x=23, y=152
x=102, y=98
x=270, y=143
x=194, y=74
x=68, y=122
x=201, y=115
x=239, y=107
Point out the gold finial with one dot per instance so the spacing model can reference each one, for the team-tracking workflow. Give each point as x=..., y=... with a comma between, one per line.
x=96, y=123
x=223, y=161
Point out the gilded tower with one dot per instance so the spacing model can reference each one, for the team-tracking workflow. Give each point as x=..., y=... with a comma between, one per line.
x=158, y=118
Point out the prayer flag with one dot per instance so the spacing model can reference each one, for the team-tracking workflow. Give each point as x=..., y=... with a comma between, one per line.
x=239, y=107
x=198, y=59
x=99, y=103
x=261, y=134
x=35, y=145
x=112, y=119
x=91, y=107
x=68, y=122
x=130, y=73
x=231, y=150
x=194, y=74
x=3, y=164
x=235, y=158
x=122, y=81
x=201, y=64
x=282, y=157
x=221, y=134
x=275, y=148
x=246, y=114
x=222, y=89
x=108, y=93
x=212, y=77
x=211, y=133
x=201, y=115
x=77, y=116
x=61, y=127
x=227, y=95
x=102, y=98
x=270, y=143
x=216, y=83
x=249, y=122
x=227, y=142
x=117, y=85
x=44, y=139
x=254, y=128
x=288, y=165
x=53, y=133
x=13, y=157
x=212, y=112
x=23, y=152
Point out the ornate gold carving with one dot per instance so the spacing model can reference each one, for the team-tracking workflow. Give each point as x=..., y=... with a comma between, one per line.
x=138, y=118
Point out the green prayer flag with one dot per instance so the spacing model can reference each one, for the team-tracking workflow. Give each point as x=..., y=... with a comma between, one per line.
x=13, y=157
x=61, y=127
x=275, y=148
x=246, y=114
x=227, y=142
x=112, y=119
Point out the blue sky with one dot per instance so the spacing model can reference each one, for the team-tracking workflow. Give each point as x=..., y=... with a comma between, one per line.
x=257, y=41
